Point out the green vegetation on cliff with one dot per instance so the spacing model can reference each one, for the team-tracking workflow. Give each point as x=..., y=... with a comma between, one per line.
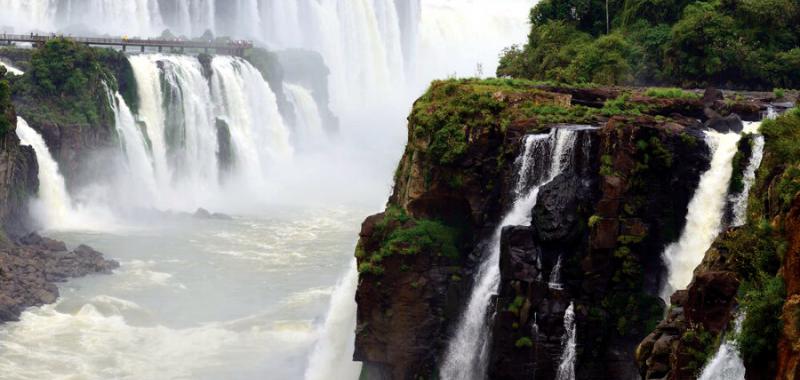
x=6, y=109
x=745, y=43
x=756, y=251
x=66, y=83
x=401, y=234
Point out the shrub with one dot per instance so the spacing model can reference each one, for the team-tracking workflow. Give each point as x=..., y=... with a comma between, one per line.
x=524, y=342
x=671, y=93
x=779, y=93
x=762, y=302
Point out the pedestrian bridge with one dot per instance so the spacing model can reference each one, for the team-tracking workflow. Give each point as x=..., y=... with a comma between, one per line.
x=232, y=47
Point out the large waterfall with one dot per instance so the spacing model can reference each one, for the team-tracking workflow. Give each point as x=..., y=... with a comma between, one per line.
x=467, y=353
x=706, y=209
x=369, y=45
x=212, y=133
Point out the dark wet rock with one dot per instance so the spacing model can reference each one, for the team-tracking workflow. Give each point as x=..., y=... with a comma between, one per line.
x=29, y=270
x=725, y=124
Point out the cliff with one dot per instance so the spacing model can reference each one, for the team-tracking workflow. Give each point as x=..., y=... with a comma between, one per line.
x=29, y=264
x=600, y=226
x=18, y=168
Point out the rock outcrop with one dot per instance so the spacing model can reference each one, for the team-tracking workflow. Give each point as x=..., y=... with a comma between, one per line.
x=604, y=226
x=30, y=269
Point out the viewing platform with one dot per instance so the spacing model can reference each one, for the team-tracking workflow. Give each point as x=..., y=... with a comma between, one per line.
x=232, y=47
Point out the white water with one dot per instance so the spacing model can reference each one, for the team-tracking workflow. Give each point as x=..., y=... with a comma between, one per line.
x=180, y=119
x=53, y=204
x=11, y=69
x=139, y=172
x=334, y=360
x=197, y=299
x=309, y=130
x=467, y=352
x=53, y=208
x=369, y=45
x=566, y=367
x=726, y=364
x=223, y=314
x=555, y=276
x=704, y=218
x=740, y=200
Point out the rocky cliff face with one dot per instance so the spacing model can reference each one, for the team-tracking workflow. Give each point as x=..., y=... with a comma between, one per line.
x=416, y=259
x=608, y=223
x=18, y=170
x=604, y=226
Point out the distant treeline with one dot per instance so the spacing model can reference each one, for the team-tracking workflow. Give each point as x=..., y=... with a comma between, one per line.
x=751, y=44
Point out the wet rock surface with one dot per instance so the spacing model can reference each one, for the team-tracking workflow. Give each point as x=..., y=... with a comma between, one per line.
x=30, y=269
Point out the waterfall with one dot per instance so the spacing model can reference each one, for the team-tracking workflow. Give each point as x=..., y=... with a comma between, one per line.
x=332, y=356
x=53, y=205
x=566, y=368
x=309, y=129
x=11, y=69
x=740, y=200
x=726, y=364
x=467, y=352
x=555, y=276
x=140, y=186
x=207, y=133
x=248, y=106
x=369, y=45
x=704, y=218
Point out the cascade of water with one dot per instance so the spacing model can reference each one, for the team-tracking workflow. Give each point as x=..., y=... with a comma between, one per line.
x=555, y=276
x=53, y=206
x=141, y=189
x=184, y=116
x=309, y=129
x=11, y=69
x=704, y=218
x=332, y=359
x=757, y=155
x=726, y=364
x=566, y=368
x=369, y=45
x=467, y=351
x=244, y=101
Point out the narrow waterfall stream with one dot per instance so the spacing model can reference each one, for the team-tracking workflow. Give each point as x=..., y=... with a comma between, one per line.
x=467, y=352
x=11, y=69
x=757, y=155
x=726, y=364
x=566, y=367
x=53, y=204
x=704, y=218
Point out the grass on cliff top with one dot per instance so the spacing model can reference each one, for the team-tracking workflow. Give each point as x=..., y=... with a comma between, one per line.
x=451, y=109
x=401, y=234
x=671, y=93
